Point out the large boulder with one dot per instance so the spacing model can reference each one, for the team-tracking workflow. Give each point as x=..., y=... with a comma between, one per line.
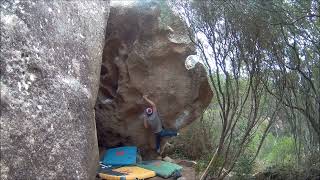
x=144, y=54
x=51, y=55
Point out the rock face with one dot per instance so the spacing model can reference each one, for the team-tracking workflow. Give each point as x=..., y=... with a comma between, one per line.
x=50, y=64
x=145, y=56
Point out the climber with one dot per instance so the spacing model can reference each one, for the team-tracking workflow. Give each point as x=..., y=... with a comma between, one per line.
x=152, y=120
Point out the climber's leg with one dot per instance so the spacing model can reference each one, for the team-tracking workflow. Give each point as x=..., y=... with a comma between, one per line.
x=164, y=133
x=167, y=133
x=158, y=140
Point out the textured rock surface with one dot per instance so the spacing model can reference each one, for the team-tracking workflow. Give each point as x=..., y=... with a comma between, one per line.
x=50, y=64
x=144, y=56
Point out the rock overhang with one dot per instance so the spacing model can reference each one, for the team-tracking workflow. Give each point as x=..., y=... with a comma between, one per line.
x=144, y=55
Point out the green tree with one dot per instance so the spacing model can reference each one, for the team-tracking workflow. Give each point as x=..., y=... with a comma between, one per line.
x=272, y=46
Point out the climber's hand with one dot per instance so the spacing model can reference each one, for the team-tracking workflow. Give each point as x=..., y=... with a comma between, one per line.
x=145, y=96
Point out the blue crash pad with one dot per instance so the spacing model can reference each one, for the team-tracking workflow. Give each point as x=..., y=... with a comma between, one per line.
x=126, y=155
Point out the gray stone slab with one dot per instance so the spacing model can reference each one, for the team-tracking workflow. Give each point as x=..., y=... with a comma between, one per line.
x=51, y=55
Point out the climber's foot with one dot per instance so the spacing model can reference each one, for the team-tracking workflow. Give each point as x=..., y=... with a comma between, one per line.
x=159, y=158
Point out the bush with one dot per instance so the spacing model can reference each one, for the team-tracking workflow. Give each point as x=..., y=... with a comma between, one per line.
x=197, y=140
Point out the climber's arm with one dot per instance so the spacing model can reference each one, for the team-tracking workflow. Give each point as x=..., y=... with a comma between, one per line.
x=150, y=102
x=145, y=122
